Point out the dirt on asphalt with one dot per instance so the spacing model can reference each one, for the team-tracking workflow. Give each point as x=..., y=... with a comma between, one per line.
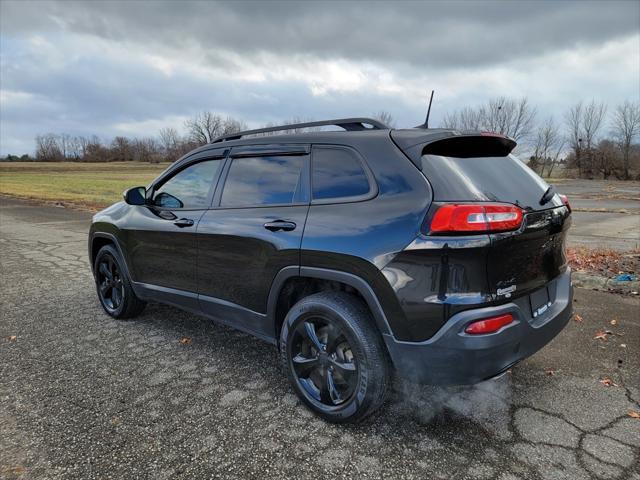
x=85, y=396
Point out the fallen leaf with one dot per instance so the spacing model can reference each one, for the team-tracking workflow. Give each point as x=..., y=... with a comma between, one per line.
x=550, y=372
x=184, y=341
x=614, y=322
x=607, y=382
x=633, y=414
x=601, y=335
x=12, y=338
x=577, y=318
x=18, y=470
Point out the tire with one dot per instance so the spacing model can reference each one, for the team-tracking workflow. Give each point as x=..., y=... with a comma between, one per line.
x=343, y=373
x=113, y=285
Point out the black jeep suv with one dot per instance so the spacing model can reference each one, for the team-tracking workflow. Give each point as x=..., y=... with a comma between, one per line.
x=431, y=254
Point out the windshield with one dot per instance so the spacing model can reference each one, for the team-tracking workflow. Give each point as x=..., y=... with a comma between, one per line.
x=486, y=179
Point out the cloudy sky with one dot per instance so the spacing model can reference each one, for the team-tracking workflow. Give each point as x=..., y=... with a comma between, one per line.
x=116, y=68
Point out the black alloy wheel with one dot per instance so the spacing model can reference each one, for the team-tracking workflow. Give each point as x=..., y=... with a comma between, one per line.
x=334, y=356
x=110, y=285
x=324, y=362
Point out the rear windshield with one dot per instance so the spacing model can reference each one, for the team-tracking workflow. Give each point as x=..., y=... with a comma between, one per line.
x=485, y=179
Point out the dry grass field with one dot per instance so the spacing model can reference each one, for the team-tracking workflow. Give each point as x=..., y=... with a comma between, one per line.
x=85, y=185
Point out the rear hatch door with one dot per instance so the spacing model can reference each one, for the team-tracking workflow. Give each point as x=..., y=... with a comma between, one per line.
x=518, y=261
x=479, y=168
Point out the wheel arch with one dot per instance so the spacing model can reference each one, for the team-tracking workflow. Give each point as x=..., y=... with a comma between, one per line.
x=295, y=273
x=99, y=240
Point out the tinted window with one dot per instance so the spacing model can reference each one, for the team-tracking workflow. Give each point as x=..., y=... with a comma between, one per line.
x=262, y=180
x=492, y=179
x=189, y=188
x=337, y=173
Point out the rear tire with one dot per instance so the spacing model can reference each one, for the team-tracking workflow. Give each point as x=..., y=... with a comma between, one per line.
x=113, y=286
x=334, y=357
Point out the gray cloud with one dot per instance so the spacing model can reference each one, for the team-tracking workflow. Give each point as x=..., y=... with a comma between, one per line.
x=436, y=34
x=96, y=67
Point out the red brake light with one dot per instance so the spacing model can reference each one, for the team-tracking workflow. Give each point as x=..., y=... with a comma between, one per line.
x=565, y=200
x=490, y=217
x=492, y=134
x=489, y=325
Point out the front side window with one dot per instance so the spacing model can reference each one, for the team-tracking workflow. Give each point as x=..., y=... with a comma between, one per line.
x=189, y=188
x=267, y=180
x=337, y=173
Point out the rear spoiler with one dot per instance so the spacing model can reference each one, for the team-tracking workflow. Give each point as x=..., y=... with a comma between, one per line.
x=452, y=143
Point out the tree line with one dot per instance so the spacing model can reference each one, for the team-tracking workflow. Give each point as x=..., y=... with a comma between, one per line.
x=589, y=141
x=168, y=145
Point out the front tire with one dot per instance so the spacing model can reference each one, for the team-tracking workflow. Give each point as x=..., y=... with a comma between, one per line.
x=113, y=286
x=334, y=357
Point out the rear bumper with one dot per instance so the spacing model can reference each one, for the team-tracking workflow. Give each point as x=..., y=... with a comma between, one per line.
x=453, y=357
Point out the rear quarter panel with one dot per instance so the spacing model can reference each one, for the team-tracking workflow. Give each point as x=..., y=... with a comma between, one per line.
x=361, y=238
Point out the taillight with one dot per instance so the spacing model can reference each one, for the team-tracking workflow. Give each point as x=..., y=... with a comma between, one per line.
x=489, y=325
x=489, y=217
x=565, y=200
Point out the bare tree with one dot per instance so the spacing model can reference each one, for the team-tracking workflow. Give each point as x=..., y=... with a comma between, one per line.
x=548, y=147
x=81, y=146
x=65, y=141
x=626, y=126
x=385, y=117
x=48, y=148
x=573, y=120
x=146, y=150
x=592, y=120
x=204, y=127
x=121, y=149
x=231, y=125
x=75, y=148
x=171, y=143
x=512, y=117
x=607, y=158
x=465, y=119
x=95, y=151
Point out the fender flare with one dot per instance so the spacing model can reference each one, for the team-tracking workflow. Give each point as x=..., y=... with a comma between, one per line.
x=358, y=283
x=116, y=243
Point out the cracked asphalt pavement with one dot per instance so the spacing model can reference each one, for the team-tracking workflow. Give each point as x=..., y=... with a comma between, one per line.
x=86, y=396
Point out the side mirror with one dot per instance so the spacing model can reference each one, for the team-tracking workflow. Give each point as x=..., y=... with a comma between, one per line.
x=135, y=196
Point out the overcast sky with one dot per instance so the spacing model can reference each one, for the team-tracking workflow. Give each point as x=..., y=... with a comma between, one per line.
x=116, y=68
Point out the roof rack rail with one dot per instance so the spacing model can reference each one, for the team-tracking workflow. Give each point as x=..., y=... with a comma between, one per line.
x=349, y=124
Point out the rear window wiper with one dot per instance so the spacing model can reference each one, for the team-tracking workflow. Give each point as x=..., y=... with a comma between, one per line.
x=548, y=194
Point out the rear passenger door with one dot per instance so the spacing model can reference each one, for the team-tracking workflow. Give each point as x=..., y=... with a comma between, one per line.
x=253, y=230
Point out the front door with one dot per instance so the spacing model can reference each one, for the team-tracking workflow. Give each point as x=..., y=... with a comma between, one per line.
x=163, y=247
x=254, y=230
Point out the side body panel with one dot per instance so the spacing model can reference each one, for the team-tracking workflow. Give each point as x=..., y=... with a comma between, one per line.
x=362, y=237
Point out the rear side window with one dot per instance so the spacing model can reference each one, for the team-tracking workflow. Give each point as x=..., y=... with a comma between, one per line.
x=337, y=173
x=189, y=188
x=485, y=179
x=265, y=180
